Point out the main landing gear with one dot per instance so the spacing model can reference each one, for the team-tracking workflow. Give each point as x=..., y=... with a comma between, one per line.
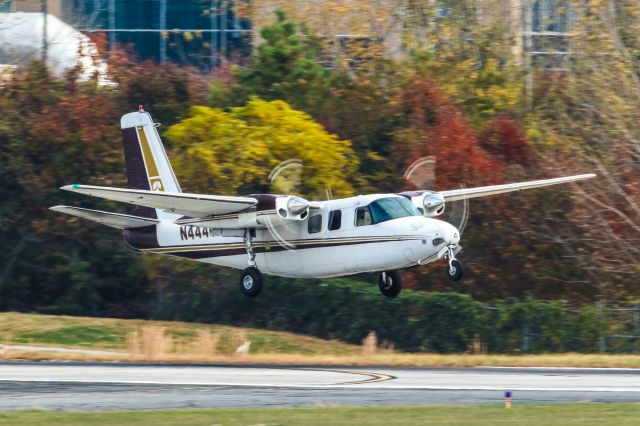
x=251, y=278
x=390, y=283
x=251, y=281
x=455, y=271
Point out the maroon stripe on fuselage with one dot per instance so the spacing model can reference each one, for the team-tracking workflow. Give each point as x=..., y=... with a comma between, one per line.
x=222, y=252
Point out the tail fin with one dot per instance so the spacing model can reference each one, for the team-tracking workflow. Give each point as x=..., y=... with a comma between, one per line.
x=146, y=161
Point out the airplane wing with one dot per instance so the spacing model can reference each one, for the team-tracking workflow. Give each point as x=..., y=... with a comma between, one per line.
x=483, y=191
x=195, y=205
x=115, y=220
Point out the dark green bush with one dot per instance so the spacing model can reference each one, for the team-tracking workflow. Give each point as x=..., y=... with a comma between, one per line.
x=415, y=321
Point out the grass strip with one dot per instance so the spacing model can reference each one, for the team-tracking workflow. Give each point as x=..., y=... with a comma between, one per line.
x=165, y=341
x=534, y=415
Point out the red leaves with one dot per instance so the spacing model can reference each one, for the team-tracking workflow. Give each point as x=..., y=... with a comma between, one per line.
x=461, y=159
x=504, y=138
x=447, y=135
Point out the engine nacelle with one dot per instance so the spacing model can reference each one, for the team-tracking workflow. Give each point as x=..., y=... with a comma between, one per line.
x=430, y=204
x=271, y=211
x=292, y=208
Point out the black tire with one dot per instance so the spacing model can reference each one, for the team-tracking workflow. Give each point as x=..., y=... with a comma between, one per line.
x=458, y=270
x=251, y=282
x=390, y=283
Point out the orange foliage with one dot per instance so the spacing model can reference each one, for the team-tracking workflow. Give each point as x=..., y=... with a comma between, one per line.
x=503, y=137
x=443, y=131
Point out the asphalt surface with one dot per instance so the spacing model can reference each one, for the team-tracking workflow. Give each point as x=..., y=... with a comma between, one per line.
x=76, y=386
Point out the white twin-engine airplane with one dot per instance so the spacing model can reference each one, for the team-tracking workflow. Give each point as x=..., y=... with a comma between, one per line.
x=279, y=234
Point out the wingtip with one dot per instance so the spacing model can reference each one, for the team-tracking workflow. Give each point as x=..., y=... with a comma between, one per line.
x=583, y=176
x=71, y=187
x=57, y=208
x=587, y=176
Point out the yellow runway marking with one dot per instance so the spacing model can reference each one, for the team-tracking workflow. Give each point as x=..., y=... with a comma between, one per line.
x=372, y=377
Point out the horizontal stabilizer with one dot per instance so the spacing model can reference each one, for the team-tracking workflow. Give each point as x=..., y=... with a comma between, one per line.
x=115, y=220
x=195, y=205
x=483, y=191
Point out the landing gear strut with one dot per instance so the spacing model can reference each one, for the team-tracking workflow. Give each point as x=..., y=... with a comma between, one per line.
x=248, y=243
x=390, y=283
x=251, y=278
x=455, y=271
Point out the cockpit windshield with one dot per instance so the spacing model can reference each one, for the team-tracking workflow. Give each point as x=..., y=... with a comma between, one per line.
x=392, y=208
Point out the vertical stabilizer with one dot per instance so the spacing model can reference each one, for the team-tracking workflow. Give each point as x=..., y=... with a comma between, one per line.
x=146, y=160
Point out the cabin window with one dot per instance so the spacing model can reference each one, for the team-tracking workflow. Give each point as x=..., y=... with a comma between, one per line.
x=315, y=224
x=363, y=216
x=335, y=220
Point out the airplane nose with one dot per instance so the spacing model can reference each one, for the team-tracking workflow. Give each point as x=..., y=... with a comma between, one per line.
x=450, y=234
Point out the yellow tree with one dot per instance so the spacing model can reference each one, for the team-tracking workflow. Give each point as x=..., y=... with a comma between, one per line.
x=233, y=152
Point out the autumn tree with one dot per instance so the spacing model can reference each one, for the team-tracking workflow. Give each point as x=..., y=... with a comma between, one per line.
x=166, y=90
x=584, y=119
x=506, y=139
x=54, y=132
x=435, y=126
x=234, y=152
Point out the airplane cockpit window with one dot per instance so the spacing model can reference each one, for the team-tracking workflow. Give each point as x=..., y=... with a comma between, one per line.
x=385, y=209
x=335, y=220
x=392, y=208
x=315, y=224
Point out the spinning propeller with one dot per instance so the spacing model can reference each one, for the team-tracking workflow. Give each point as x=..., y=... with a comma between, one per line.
x=422, y=174
x=286, y=178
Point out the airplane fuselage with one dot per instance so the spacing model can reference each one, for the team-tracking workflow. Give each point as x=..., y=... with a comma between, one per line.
x=298, y=249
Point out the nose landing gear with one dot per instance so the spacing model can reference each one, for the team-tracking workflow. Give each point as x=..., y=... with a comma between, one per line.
x=455, y=271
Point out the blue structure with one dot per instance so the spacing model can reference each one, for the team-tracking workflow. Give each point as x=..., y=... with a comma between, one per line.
x=200, y=33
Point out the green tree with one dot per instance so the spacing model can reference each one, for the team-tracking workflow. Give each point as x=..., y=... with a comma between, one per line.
x=286, y=66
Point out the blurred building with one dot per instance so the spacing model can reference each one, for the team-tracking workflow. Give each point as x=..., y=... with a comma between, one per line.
x=546, y=31
x=206, y=33
x=538, y=31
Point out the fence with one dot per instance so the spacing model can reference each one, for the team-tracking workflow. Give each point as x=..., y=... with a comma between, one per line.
x=538, y=326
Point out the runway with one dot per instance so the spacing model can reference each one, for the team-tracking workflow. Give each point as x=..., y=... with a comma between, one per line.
x=80, y=386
